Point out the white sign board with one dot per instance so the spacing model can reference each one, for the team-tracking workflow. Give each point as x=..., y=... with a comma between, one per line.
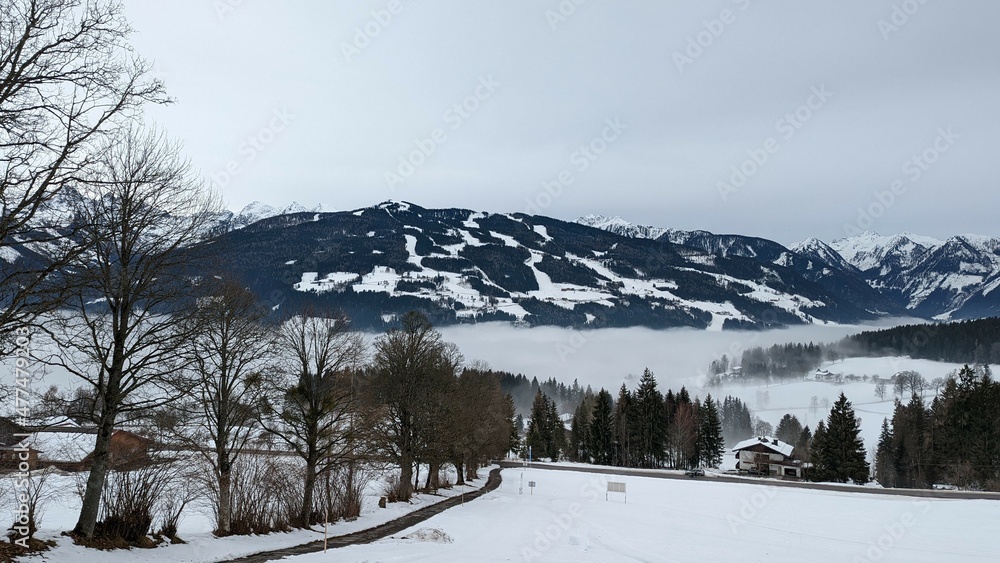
x=616, y=487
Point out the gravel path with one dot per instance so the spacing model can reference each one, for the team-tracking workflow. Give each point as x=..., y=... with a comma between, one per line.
x=378, y=532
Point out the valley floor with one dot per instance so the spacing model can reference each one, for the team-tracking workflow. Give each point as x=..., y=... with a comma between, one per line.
x=566, y=517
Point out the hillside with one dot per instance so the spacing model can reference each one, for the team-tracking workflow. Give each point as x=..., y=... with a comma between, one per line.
x=465, y=266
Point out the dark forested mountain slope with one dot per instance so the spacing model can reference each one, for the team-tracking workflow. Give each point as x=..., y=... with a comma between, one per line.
x=464, y=266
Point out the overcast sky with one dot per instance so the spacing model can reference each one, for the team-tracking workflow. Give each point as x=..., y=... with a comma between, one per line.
x=670, y=98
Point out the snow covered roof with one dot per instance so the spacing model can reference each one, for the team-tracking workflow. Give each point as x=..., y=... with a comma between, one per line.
x=57, y=422
x=773, y=444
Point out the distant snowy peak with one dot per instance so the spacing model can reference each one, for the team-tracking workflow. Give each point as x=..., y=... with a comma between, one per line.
x=253, y=212
x=258, y=211
x=622, y=227
x=870, y=250
x=815, y=248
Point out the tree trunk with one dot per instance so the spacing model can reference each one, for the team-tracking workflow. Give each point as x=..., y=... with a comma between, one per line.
x=225, y=503
x=90, y=509
x=459, y=472
x=433, y=483
x=305, y=516
x=405, y=478
x=471, y=472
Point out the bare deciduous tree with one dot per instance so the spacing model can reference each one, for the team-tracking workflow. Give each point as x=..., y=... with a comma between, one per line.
x=68, y=78
x=122, y=335
x=228, y=353
x=317, y=401
x=411, y=367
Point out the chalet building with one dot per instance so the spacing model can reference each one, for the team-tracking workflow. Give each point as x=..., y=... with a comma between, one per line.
x=767, y=456
x=66, y=445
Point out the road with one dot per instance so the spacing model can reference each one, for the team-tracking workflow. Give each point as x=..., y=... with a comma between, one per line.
x=927, y=493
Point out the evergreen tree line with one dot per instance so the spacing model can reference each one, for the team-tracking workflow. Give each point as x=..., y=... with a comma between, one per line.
x=524, y=391
x=641, y=428
x=956, y=440
x=974, y=342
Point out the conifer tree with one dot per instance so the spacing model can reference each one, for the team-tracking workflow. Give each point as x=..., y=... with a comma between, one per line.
x=624, y=426
x=803, y=444
x=557, y=431
x=539, y=434
x=844, y=453
x=602, y=441
x=579, y=447
x=818, y=453
x=713, y=445
x=884, y=471
x=789, y=429
x=648, y=422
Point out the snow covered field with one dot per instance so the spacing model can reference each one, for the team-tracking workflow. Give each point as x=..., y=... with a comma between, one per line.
x=568, y=519
x=196, y=528
x=771, y=402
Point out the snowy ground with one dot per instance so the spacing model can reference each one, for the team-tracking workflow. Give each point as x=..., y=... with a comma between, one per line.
x=771, y=402
x=196, y=525
x=568, y=519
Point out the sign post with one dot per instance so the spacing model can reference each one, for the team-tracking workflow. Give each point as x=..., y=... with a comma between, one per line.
x=616, y=487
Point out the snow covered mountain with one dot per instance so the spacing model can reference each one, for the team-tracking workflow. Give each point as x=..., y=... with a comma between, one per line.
x=887, y=254
x=921, y=276
x=621, y=227
x=952, y=279
x=257, y=211
x=466, y=266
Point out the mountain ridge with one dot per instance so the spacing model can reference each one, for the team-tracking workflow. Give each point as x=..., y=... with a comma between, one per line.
x=461, y=265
